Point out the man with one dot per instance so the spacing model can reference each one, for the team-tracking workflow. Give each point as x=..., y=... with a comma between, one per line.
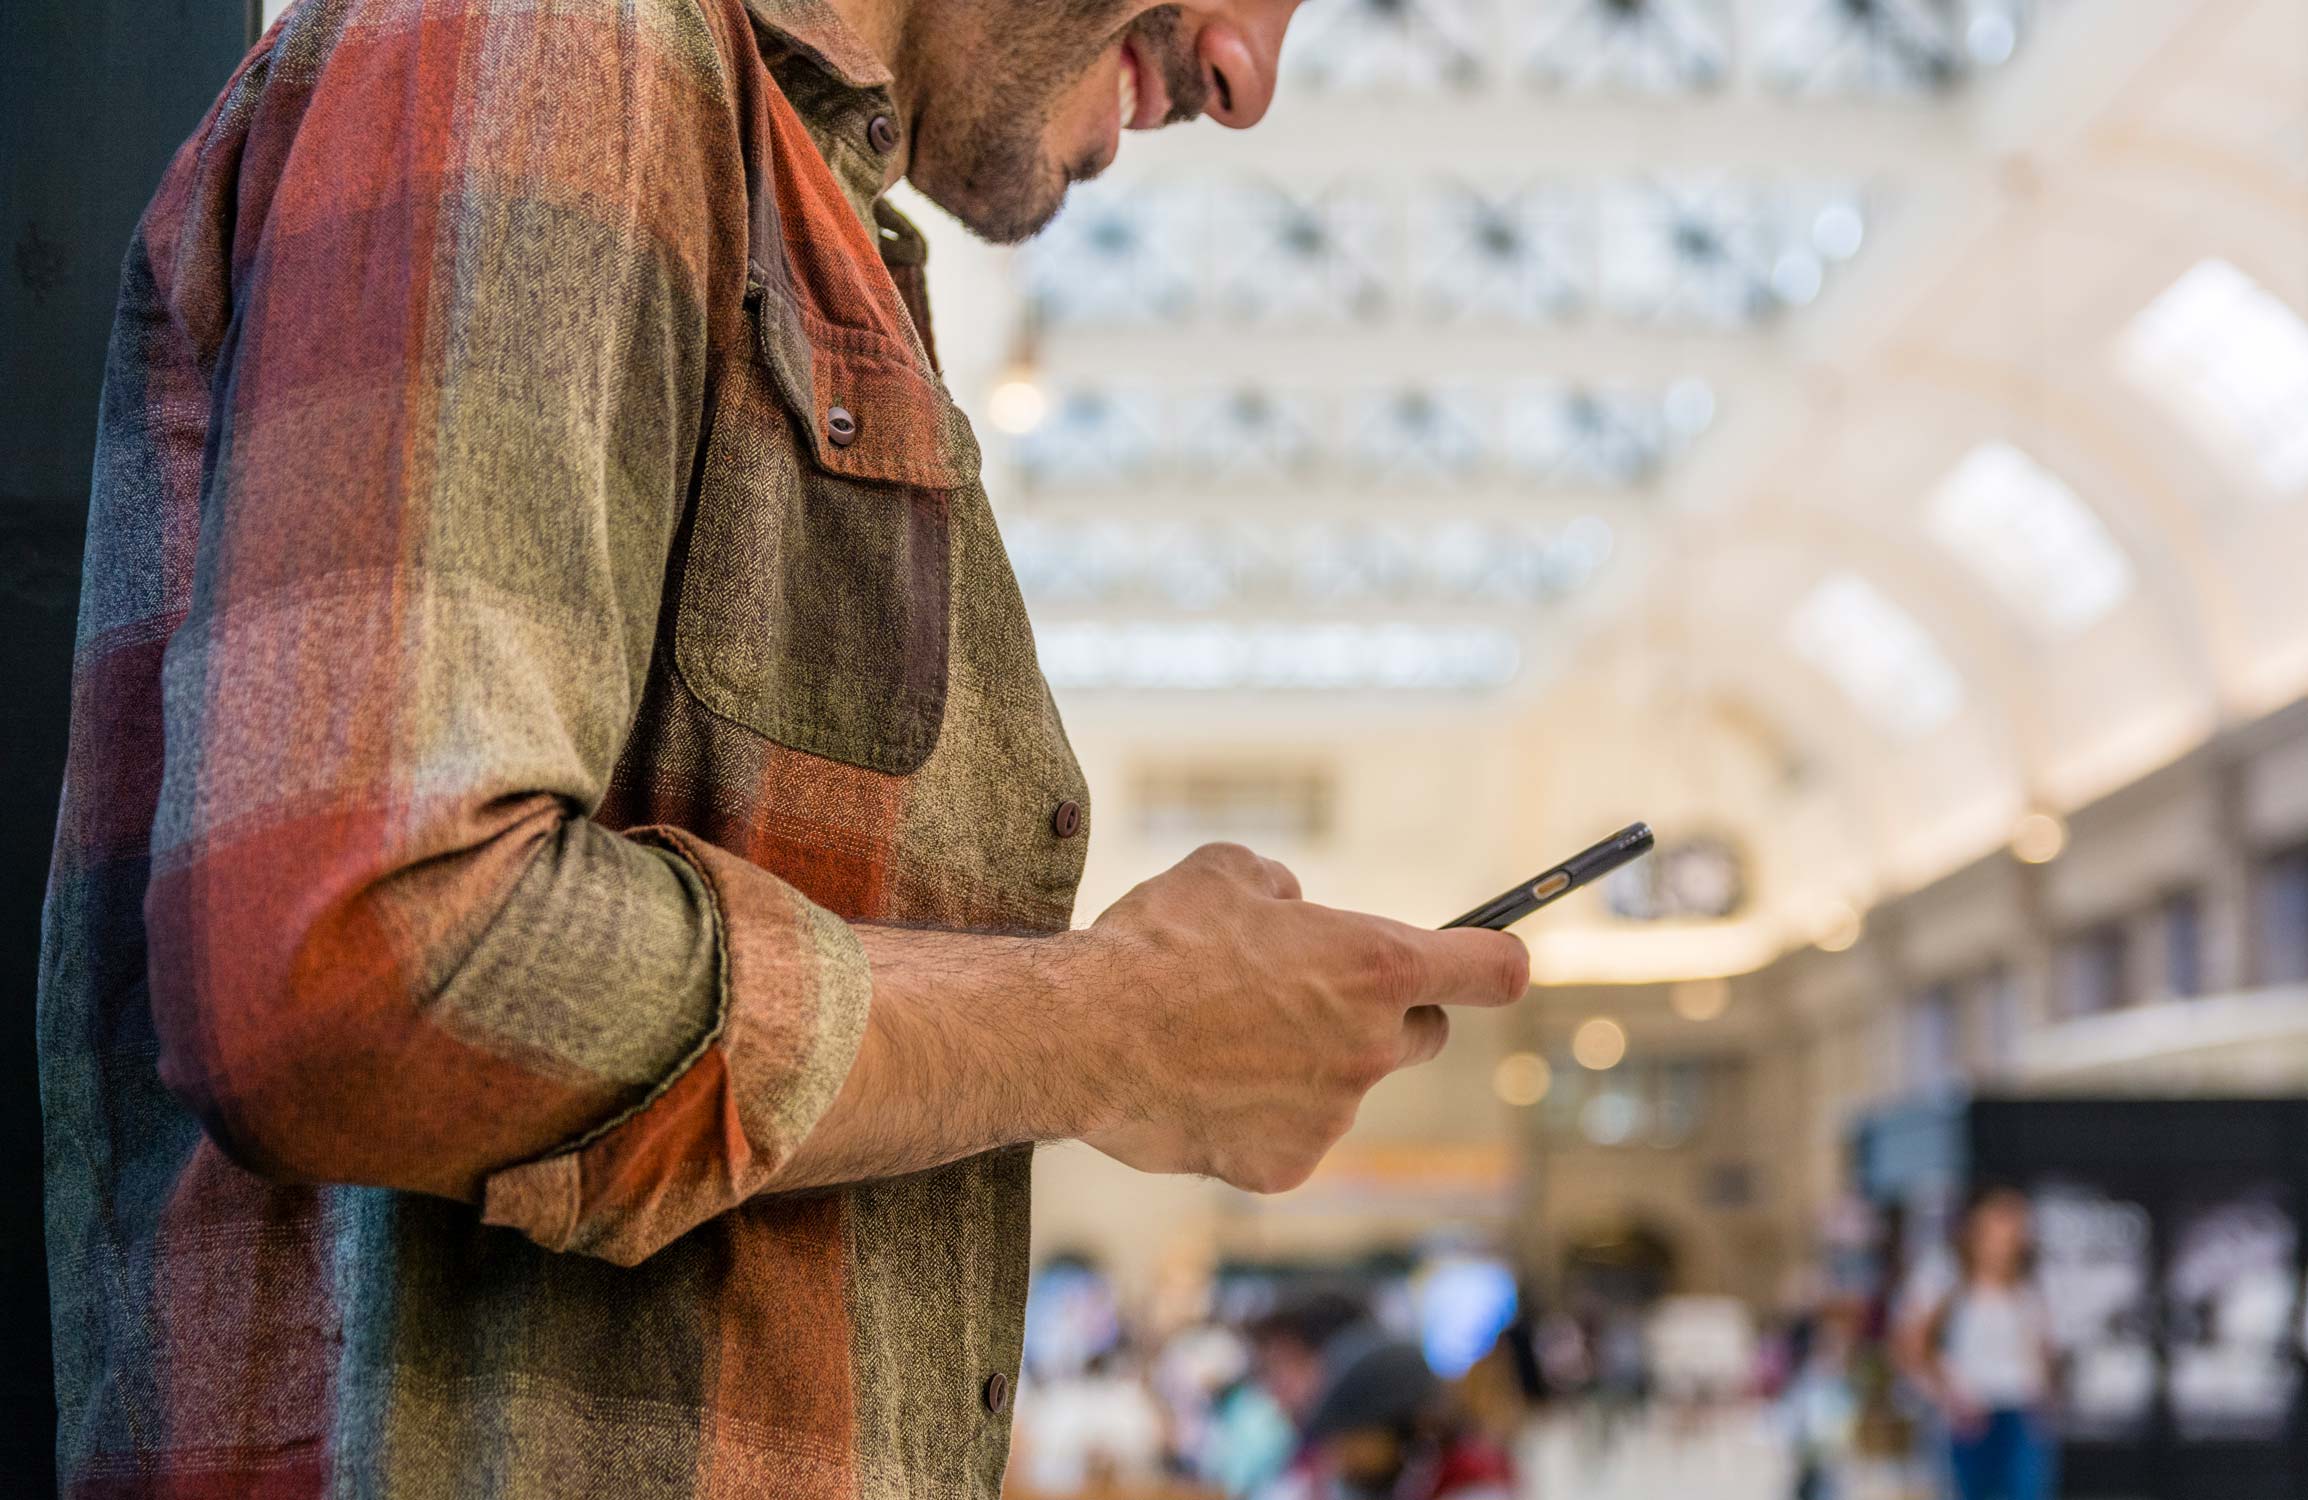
x=558, y=947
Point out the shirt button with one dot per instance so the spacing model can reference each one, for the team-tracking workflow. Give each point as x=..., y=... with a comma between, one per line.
x=1067, y=820
x=841, y=427
x=881, y=134
x=997, y=1393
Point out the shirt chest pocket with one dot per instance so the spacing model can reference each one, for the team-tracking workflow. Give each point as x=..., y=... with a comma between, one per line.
x=816, y=586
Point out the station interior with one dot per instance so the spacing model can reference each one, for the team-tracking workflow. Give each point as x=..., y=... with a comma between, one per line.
x=1866, y=440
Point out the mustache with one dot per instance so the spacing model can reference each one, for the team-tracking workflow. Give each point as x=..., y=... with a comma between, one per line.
x=1160, y=35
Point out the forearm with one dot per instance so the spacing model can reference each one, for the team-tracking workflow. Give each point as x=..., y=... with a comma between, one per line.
x=972, y=1042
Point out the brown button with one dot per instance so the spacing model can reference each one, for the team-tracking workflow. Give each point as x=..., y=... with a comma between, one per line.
x=841, y=427
x=1067, y=820
x=997, y=1393
x=881, y=134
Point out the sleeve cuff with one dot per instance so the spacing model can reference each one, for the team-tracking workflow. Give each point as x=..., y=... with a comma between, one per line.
x=794, y=991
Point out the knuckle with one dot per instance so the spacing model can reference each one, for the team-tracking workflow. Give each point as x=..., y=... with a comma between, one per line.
x=1394, y=971
x=1269, y=1174
x=1283, y=1176
x=1370, y=1064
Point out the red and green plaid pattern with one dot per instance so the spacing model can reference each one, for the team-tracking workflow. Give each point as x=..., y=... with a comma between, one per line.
x=496, y=693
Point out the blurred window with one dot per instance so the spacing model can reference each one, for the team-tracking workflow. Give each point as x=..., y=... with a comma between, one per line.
x=1123, y=252
x=1711, y=251
x=1877, y=653
x=1199, y=566
x=1700, y=878
x=2092, y=971
x=2281, y=929
x=1245, y=804
x=2182, y=919
x=1249, y=436
x=1277, y=655
x=2025, y=532
x=1996, y=1021
x=1095, y=439
x=1719, y=253
x=1517, y=256
x=1654, y=47
x=1430, y=437
x=1934, y=1037
x=1287, y=255
x=2230, y=358
x=1886, y=46
x=1613, y=437
x=1387, y=46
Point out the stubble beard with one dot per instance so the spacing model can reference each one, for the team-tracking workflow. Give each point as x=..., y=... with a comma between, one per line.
x=981, y=149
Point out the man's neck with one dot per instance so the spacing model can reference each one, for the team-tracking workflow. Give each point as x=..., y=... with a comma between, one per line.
x=880, y=24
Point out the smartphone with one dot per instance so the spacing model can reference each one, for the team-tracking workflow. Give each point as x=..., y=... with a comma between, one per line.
x=1588, y=865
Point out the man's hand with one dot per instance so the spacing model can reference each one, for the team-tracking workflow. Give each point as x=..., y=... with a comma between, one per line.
x=1211, y=1022
x=1253, y=1022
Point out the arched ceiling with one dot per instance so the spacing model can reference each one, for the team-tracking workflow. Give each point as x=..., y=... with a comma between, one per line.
x=1860, y=438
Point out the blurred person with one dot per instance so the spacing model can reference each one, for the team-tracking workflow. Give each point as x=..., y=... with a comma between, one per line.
x=1287, y=1346
x=1819, y=1402
x=1249, y=1441
x=1973, y=1332
x=1289, y=1361
x=1191, y=1367
x=566, y=848
x=1384, y=1427
x=1097, y=1427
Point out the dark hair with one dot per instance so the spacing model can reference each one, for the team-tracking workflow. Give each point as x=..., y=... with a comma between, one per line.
x=1987, y=1195
x=1309, y=1319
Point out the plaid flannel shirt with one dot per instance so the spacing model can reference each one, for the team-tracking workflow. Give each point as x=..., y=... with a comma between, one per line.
x=538, y=594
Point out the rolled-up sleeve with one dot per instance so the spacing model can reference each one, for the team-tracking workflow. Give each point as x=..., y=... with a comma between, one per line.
x=455, y=423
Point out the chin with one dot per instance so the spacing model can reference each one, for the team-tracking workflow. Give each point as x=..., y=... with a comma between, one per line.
x=1005, y=208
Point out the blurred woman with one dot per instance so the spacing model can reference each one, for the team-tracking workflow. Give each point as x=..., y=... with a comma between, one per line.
x=1975, y=1335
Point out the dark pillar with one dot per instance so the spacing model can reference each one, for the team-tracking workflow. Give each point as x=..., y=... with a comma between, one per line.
x=98, y=94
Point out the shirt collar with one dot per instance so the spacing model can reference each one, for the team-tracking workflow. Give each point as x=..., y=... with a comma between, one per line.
x=814, y=27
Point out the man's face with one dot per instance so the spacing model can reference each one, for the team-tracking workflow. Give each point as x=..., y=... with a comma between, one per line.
x=1013, y=101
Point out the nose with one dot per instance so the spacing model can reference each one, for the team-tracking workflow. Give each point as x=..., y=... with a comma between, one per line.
x=1241, y=52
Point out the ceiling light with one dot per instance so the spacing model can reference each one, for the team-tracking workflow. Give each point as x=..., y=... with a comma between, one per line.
x=1613, y=1118
x=1689, y=405
x=1839, y=231
x=1018, y=405
x=2026, y=534
x=1991, y=39
x=1797, y=278
x=1873, y=650
x=1599, y=1044
x=2230, y=358
x=1839, y=928
x=1522, y=1079
x=2038, y=839
x=1700, y=999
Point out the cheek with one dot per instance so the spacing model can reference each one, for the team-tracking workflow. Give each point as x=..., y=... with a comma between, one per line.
x=1085, y=109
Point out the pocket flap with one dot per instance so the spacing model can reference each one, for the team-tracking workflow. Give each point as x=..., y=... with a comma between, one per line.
x=905, y=428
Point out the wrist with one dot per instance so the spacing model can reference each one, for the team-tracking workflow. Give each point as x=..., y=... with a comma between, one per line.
x=1091, y=977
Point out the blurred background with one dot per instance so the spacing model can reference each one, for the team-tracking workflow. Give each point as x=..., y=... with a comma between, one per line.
x=1867, y=439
